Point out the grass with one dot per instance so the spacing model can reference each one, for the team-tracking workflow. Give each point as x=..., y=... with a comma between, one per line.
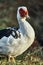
x=34, y=57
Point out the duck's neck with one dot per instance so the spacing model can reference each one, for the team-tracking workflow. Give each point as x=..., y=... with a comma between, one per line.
x=23, y=25
x=26, y=29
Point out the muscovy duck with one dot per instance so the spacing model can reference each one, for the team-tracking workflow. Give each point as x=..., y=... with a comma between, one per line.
x=14, y=42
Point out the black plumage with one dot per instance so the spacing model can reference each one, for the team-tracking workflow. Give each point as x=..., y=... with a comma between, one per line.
x=8, y=32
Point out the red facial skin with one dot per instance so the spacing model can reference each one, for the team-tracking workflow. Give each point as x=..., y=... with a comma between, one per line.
x=23, y=13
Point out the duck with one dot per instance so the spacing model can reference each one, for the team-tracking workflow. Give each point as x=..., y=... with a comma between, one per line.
x=14, y=41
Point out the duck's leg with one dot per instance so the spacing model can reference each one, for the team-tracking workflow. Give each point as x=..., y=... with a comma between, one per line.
x=11, y=59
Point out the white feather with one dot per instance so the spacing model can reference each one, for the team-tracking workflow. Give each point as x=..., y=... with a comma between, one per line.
x=18, y=46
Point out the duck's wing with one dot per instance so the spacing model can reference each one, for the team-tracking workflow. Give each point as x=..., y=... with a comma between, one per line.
x=15, y=32
x=10, y=31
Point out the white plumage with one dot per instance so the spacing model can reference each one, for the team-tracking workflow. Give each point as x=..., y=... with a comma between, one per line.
x=16, y=46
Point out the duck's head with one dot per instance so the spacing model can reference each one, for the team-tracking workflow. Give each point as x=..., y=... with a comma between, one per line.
x=22, y=13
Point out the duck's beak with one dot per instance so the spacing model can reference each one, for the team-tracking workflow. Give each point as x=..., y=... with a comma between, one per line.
x=28, y=17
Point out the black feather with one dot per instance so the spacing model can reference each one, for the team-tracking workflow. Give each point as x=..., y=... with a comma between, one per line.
x=8, y=32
